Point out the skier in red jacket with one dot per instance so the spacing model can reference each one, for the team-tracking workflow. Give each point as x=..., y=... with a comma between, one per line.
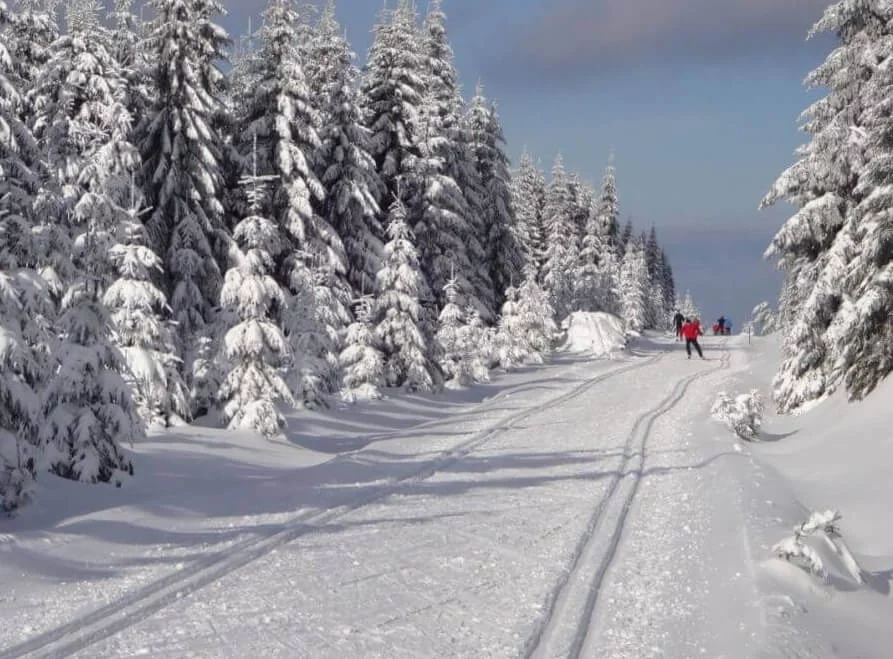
x=691, y=330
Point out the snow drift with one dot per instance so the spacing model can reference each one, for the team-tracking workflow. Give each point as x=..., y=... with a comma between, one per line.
x=593, y=333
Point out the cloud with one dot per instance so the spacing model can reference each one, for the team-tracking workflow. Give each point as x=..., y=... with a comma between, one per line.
x=570, y=37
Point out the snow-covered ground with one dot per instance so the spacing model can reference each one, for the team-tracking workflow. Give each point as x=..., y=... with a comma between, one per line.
x=590, y=507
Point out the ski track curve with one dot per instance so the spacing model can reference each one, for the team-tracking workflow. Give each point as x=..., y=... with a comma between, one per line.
x=108, y=620
x=571, y=604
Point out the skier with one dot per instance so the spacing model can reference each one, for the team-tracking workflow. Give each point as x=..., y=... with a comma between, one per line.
x=691, y=331
x=721, y=322
x=728, y=327
x=678, y=319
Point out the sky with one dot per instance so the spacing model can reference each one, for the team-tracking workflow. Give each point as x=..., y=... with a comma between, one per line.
x=698, y=100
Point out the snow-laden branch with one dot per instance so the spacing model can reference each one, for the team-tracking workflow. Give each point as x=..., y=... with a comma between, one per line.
x=795, y=550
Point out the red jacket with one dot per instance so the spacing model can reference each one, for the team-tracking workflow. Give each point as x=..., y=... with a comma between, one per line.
x=692, y=330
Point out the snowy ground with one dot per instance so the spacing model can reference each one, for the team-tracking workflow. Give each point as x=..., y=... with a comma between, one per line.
x=586, y=508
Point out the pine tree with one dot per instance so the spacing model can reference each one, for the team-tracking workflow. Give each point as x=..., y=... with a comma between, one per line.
x=817, y=243
x=87, y=406
x=668, y=285
x=24, y=301
x=446, y=143
x=182, y=162
x=626, y=236
x=348, y=173
x=689, y=309
x=561, y=255
x=503, y=253
x=83, y=120
x=528, y=195
x=449, y=325
x=536, y=319
x=398, y=312
x=588, y=277
x=608, y=210
x=860, y=261
x=392, y=89
x=361, y=360
x=255, y=350
x=140, y=330
x=634, y=288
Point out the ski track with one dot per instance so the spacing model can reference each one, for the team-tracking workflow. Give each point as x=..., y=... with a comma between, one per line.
x=571, y=605
x=86, y=630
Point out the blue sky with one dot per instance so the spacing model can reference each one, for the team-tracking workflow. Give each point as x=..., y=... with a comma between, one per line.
x=699, y=100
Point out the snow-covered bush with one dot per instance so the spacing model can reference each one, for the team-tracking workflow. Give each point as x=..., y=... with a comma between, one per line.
x=743, y=414
x=795, y=550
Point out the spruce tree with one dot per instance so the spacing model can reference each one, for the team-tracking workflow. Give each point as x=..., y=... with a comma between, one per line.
x=561, y=253
x=347, y=170
x=503, y=253
x=634, y=289
x=255, y=350
x=88, y=411
x=140, y=328
x=361, y=360
x=182, y=162
x=398, y=312
x=816, y=245
x=528, y=194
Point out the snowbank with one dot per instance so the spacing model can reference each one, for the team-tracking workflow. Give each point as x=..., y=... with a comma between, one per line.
x=838, y=455
x=595, y=334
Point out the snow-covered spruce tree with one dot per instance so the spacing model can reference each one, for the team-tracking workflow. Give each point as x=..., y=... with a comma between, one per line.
x=688, y=307
x=528, y=196
x=87, y=406
x=764, y=319
x=392, y=88
x=561, y=242
x=861, y=333
x=816, y=244
x=510, y=349
x=346, y=168
x=634, y=287
x=28, y=32
x=446, y=141
x=608, y=210
x=361, y=360
x=24, y=301
x=588, y=279
x=536, y=319
x=461, y=341
x=140, y=327
x=83, y=120
x=255, y=350
x=477, y=339
x=398, y=311
x=626, y=235
x=182, y=163
x=668, y=285
x=503, y=251
x=19, y=404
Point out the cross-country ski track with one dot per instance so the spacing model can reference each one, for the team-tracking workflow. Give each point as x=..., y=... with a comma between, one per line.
x=286, y=570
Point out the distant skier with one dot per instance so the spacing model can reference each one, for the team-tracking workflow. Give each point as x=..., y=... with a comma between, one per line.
x=691, y=330
x=728, y=327
x=721, y=324
x=678, y=321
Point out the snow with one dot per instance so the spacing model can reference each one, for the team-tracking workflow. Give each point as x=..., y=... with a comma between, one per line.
x=594, y=334
x=588, y=507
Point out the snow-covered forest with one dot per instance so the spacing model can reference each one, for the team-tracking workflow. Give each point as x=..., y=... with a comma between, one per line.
x=191, y=229
x=836, y=250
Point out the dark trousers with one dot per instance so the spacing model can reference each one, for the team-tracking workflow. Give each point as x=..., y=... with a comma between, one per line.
x=693, y=342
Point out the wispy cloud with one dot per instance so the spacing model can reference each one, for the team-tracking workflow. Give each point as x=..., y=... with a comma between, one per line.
x=568, y=37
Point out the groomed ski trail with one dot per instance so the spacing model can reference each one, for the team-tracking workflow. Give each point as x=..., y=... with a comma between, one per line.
x=572, y=603
x=86, y=630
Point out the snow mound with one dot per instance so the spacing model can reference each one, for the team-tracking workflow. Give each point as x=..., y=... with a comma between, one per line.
x=593, y=333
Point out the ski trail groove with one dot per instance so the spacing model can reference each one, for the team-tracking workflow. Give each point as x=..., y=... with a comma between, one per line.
x=598, y=543
x=127, y=611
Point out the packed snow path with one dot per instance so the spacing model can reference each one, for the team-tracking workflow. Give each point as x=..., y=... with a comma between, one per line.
x=575, y=525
